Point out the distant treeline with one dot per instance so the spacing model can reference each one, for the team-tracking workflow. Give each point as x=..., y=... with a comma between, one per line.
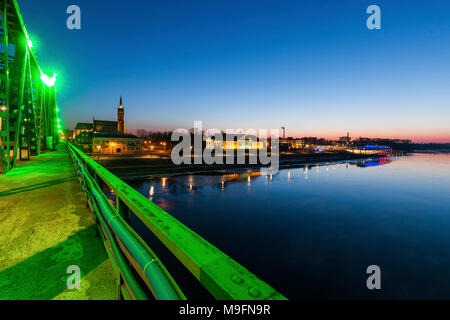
x=157, y=137
x=432, y=146
x=422, y=146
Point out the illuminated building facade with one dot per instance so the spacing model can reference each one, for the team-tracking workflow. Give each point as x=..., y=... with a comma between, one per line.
x=82, y=127
x=108, y=143
x=243, y=142
x=291, y=143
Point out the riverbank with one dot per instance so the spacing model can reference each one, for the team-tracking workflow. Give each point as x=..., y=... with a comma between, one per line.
x=148, y=166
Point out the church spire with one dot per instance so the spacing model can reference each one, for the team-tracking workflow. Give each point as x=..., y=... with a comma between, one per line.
x=121, y=118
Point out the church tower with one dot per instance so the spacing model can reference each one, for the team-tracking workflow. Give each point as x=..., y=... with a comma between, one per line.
x=120, y=118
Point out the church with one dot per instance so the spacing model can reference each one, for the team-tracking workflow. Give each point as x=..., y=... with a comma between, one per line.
x=103, y=126
x=106, y=137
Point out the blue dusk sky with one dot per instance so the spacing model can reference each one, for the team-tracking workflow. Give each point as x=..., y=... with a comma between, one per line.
x=312, y=66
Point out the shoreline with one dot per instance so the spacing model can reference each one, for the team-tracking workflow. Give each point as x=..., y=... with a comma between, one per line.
x=148, y=168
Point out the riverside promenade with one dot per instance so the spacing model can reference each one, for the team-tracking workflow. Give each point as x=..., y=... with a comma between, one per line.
x=45, y=227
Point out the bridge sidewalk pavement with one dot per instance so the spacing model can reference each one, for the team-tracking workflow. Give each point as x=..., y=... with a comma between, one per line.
x=45, y=227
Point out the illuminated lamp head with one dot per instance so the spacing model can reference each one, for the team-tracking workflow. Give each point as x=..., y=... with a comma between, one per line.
x=49, y=82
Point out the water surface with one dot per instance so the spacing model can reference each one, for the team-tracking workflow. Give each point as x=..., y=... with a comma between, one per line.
x=311, y=232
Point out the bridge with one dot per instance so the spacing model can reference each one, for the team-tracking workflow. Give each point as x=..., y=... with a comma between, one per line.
x=54, y=213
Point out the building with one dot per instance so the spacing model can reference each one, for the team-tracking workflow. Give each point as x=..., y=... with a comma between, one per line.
x=82, y=127
x=346, y=140
x=385, y=141
x=241, y=142
x=84, y=141
x=309, y=141
x=374, y=149
x=108, y=143
x=105, y=143
x=103, y=126
x=291, y=143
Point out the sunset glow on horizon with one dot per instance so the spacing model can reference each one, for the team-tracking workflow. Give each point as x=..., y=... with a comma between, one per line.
x=314, y=68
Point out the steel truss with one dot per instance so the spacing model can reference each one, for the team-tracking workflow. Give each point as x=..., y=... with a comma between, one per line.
x=29, y=121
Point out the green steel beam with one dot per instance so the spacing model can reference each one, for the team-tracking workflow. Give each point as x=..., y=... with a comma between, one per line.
x=30, y=113
x=6, y=166
x=23, y=30
x=19, y=112
x=32, y=107
x=41, y=120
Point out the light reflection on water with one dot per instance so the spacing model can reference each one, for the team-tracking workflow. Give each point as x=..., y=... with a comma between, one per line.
x=312, y=231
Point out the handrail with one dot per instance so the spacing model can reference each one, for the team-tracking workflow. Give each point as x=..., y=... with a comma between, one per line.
x=135, y=290
x=159, y=282
x=222, y=276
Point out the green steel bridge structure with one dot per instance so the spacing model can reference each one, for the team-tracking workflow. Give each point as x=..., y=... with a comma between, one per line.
x=30, y=129
x=28, y=108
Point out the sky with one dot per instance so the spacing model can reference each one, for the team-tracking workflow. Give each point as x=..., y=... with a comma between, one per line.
x=311, y=66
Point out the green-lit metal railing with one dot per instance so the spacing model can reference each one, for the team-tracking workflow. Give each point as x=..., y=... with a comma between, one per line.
x=123, y=244
x=223, y=277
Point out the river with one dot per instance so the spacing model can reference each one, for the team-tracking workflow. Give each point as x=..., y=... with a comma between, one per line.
x=311, y=232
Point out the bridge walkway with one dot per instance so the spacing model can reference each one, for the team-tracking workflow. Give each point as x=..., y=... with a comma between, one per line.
x=45, y=227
